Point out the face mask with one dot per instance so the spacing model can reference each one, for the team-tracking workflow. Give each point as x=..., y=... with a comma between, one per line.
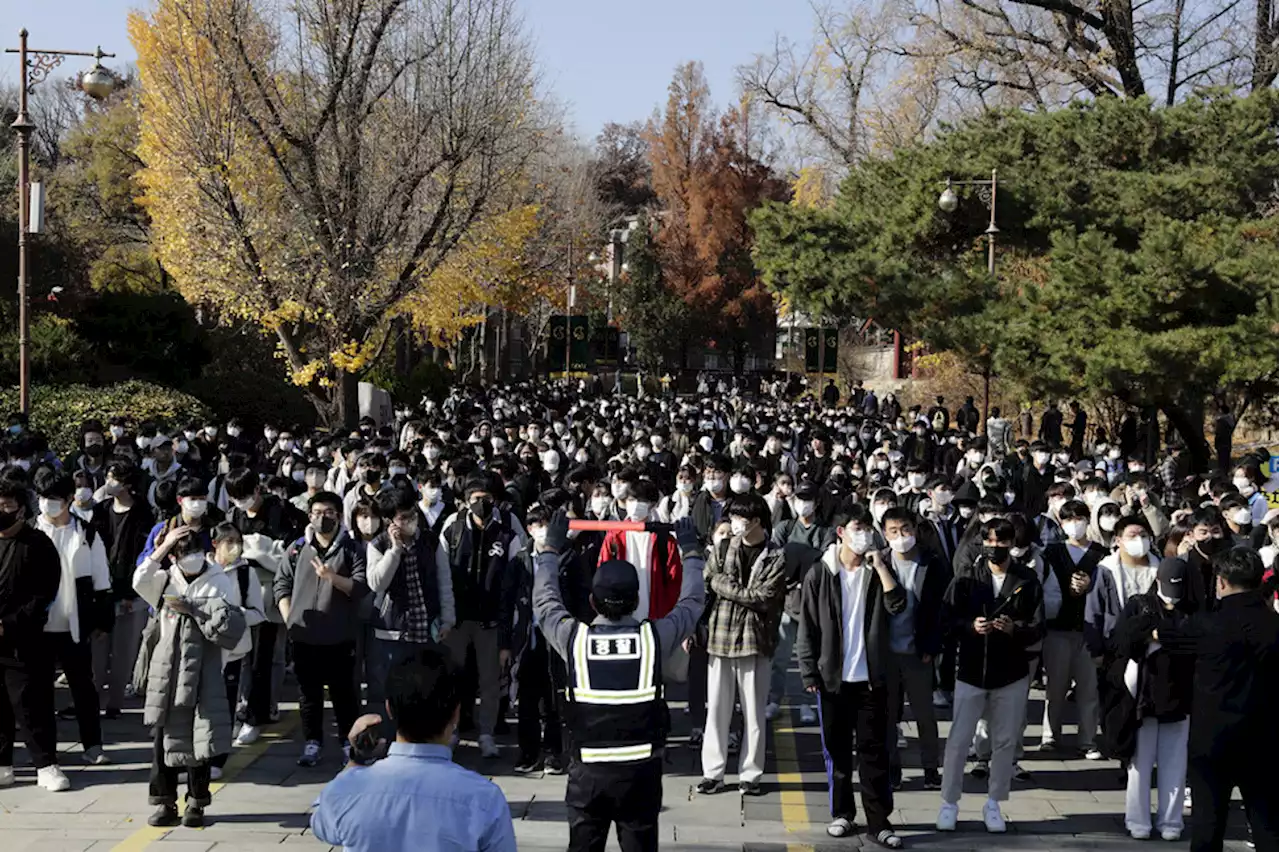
x=860, y=541
x=804, y=508
x=538, y=534
x=642, y=451
x=234, y=431
x=684, y=486
x=638, y=510
x=431, y=496
x=368, y=526
x=1055, y=504
x=409, y=529
x=619, y=490
x=599, y=506
x=315, y=480
x=1242, y=517
x=211, y=431
x=8, y=519
x=857, y=473
x=878, y=510
x=882, y=464
x=915, y=480
x=737, y=526
x=607, y=440
x=714, y=484
x=1040, y=459
x=482, y=509
x=270, y=434
x=966, y=512
x=298, y=475
x=51, y=508
x=903, y=543
x=1136, y=546
x=189, y=435
x=995, y=554
x=431, y=453
x=1075, y=530
x=84, y=495
x=117, y=432
x=231, y=553
x=194, y=507
x=243, y=505
x=975, y=457
x=740, y=484
x=397, y=470
x=1108, y=522
x=942, y=498
x=1018, y=552
x=143, y=443
x=1244, y=486
x=191, y=564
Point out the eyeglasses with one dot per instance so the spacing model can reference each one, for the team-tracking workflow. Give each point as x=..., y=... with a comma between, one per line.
x=323, y=513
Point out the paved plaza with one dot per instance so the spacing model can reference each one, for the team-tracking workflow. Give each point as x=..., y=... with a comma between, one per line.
x=261, y=803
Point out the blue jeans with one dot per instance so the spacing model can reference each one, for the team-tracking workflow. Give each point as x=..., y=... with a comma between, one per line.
x=788, y=628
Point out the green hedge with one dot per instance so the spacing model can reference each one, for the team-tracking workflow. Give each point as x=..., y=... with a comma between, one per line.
x=58, y=410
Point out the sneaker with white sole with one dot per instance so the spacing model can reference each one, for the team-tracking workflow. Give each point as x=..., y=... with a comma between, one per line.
x=94, y=756
x=215, y=773
x=771, y=710
x=807, y=714
x=488, y=748
x=839, y=827
x=1171, y=835
x=992, y=817
x=51, y=778
x=6, y=776
x=1140, y=833
x=248, y=734
x=1093, y=754
x=947, y=816
x=310, y=754
x=940, y=699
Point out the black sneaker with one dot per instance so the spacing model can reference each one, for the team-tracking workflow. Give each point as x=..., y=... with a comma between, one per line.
x=111, y=714
x=553, y=764
x=895, y=778
x=164, y=817
x=932, y=779
x=528, y=766
x=194, y=816
x=708, y=786
x=1022, y=774
x=750, y=788
x=68, y=713
x=980, y=769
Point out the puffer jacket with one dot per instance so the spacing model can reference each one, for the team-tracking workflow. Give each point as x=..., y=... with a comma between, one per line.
x=186, y=695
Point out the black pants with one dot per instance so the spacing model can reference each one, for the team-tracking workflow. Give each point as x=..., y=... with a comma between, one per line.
x=318, y=666
x=857, y=709
x=1212, y=780
x=264, y=646
x=538, y=725
x=628, y=795
x=231, y=679
x=76, y=659
x=163, y=784
x=27, y=701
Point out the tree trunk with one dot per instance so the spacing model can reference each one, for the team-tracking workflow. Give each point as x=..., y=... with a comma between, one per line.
x=1190, y=425
x=347, y=400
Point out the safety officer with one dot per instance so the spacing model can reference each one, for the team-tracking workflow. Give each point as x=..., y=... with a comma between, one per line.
x=616, y=715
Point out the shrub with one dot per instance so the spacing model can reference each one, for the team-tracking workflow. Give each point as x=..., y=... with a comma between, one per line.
x=58, y=410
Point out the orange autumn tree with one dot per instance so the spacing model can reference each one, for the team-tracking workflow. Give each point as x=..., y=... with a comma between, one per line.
x=707, y=180
x=313, y=168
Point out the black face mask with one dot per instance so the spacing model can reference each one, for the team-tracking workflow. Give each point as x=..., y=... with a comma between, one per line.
x=995, y=554
x=328, y=526
x=481, y=509
x=1211, y=546
x=8, y=519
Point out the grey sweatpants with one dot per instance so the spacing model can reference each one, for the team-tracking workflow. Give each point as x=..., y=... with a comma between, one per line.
x=114, y=653
x=1006, y=712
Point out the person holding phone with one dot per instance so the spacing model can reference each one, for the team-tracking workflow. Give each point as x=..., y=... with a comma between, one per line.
x=993, y=609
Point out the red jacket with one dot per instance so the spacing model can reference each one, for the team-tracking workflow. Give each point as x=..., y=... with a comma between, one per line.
x=666, y=571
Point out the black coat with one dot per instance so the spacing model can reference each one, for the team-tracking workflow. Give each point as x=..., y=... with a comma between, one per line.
x=1165, y=676
x=996, y=659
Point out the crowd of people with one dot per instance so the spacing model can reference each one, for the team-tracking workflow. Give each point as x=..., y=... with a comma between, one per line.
x=898, y=555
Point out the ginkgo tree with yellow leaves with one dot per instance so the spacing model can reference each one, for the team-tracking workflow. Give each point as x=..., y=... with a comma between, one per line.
x=324, y=170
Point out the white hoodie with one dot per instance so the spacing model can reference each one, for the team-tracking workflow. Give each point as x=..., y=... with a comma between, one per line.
x=79, y=559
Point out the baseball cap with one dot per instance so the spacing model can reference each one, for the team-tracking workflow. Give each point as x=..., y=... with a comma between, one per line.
x=615, y=580
x=806, y=491
x=1171, y=577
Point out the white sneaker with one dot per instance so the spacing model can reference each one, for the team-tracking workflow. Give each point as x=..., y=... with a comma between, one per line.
x=940, y=699
x=992, y=818
x=1186, y=799
x=1140, y=833
x=6, y=776
x=808, y=715
x=947, y=816
x=215, y=773
x=94, y=756
x=248, y=734
x=1172, y=835
x=488, y=748
x=771, y=710
x=51, y=778
x=1093, y=754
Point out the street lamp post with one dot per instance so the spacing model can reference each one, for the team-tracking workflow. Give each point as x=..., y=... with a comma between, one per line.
x=947, y=202
x=34, y=66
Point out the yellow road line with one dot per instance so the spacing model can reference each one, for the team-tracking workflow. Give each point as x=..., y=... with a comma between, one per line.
x=795, y=810
x=240, y=760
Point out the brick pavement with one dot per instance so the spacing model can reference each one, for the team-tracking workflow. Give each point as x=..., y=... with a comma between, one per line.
x=262, y=804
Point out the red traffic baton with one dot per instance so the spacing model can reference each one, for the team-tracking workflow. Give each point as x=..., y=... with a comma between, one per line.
x=620, y=526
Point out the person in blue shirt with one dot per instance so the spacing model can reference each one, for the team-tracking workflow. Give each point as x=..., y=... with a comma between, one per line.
x=415, y=797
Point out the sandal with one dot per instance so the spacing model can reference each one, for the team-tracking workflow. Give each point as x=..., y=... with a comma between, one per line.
x=888, y=839
x=840, y=827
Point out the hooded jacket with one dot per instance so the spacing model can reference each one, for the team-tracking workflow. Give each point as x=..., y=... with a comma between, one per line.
x=995, y=659
x=1104, y=603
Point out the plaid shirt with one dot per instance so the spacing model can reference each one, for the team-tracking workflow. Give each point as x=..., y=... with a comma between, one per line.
x=748, y=602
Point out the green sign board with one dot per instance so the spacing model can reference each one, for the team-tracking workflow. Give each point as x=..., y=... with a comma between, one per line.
x=815, y=344
x=578, y=345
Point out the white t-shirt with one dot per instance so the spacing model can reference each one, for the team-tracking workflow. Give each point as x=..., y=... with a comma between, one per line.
x=853, y=607
x=997, y=582
x=639, y=547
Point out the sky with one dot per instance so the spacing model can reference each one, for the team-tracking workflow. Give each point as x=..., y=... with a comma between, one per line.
x=606, y=60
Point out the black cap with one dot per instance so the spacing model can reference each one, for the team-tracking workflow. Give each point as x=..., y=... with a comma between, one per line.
x=616, y=580
x=806, y=491
x=1171, y=577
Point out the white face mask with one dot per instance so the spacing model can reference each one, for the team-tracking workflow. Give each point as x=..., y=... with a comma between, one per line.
x=882, y=464
x=397, y=470
x=1242, y=517
x=1244, y=486
x=1136, y=546
x=1040, y=459
x=705, y=442
x=1055, y=504
x=193, y=507
x=243, y=505
x=903, y=543
x=740, y=484
x=915, y=480
x=619, y=490
x=714, y=484
x=1075, y=530
x=117, y=432
x=860, y=541
x=684, y=486
x=966, y=512
x=551, y=461
x=234, y=431
x=51, y=508
x=737, y=526
x=804, y=508
x=431, y=495
x=367, y=525
x=638, y=510
x=1107, y=522
x=942, y=498
x=539, y=534
x=191, y=564
x=84, y=495
x=599, y=506
x=431, y=453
